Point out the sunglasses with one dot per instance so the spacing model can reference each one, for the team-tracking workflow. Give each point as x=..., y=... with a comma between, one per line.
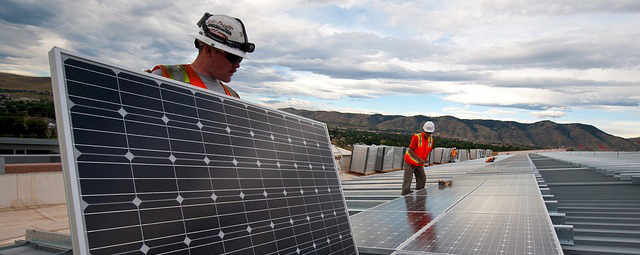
x=234, y=59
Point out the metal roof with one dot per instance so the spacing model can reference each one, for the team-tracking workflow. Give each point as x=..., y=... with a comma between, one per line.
x=40, y=243
x=596, y=192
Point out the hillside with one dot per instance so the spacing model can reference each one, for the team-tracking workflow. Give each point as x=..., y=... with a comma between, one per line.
x=544, y=134
x=14, y=81
x=25, y=86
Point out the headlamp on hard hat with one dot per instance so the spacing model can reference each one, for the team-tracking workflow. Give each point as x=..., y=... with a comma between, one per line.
x=246, y=46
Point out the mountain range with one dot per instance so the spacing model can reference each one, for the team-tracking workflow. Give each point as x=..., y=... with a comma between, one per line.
x=542, y=134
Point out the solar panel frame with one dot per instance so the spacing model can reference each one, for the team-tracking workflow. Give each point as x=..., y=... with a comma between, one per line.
x=183, y=127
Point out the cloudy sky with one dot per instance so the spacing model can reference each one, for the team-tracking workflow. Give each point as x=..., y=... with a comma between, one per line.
x=566, y=61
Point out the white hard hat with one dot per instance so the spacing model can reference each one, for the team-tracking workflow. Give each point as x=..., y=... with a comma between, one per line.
x=429, y=127
x=225, y=33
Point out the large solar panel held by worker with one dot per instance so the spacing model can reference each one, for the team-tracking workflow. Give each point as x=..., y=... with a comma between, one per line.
x=154, y=166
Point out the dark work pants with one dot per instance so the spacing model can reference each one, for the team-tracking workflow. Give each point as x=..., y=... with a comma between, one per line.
x=409, y=171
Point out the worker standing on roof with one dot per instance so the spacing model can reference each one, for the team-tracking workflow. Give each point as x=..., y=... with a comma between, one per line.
x=222, y=44
x=416, y=156
x=454, y=154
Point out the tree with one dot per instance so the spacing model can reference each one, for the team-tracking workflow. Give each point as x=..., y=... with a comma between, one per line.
x=36, y=128
x=12, y=126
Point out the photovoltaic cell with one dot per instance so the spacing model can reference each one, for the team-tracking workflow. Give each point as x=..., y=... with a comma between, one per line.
x=500, y=204
x=511, y=180
x=460, y=233
x=419, y=203
x=153, y=166
x=388, y=229
x=506, y=190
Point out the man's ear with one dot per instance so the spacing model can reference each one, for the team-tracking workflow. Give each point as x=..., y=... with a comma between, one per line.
x=209, y=50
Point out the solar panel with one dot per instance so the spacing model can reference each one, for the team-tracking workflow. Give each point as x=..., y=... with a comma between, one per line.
x=501, y=204
x=503, y=190
x=483, y=212
x=153, y=166
x=460, y=233
x=419, y=203
x=379, y=231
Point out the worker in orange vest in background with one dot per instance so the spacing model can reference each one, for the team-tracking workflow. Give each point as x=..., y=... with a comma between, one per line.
x=454, y=154
x=416, y=156
x=222, y=44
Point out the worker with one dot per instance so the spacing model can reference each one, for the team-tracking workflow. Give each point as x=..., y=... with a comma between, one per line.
x=222, y=44
x=454, y=154
x=416, y=156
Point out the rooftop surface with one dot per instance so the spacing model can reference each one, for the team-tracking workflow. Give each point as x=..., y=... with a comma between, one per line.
x=14, y=223
x=596, y=193
x=491, y=208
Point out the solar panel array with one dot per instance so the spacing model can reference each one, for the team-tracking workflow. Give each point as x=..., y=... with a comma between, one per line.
x=153, y=166
x=495, y=209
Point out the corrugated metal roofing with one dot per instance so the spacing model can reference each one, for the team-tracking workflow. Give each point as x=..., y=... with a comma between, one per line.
x=40, y=243
x=603, y=208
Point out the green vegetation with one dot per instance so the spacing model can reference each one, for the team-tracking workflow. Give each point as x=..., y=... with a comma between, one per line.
x=25, y=118
x=41, y=108
x=345, y=138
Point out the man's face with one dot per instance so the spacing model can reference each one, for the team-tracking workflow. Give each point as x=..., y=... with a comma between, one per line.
x=219, y=66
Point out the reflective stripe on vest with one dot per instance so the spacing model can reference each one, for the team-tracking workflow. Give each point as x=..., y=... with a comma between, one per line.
x=415, y=161
x=185, y=73
x=229, y=91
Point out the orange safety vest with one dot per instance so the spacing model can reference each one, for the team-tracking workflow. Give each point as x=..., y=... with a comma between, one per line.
x=454, y=153
x=186, y=74
x=421, y=148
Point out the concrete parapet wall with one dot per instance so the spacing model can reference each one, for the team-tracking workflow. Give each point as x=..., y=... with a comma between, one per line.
x=30, y=190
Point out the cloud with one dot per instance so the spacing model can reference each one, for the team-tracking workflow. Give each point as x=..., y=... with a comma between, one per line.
x=569, y=49
x=505, y=55
x=549, y=114
x=323, y=87
x=635, y=110
x=33, y=13
x=625, y=129
x=522, y=98
x=291, y=103
x=491, y=113
x=550, y=7
x=303, y=104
